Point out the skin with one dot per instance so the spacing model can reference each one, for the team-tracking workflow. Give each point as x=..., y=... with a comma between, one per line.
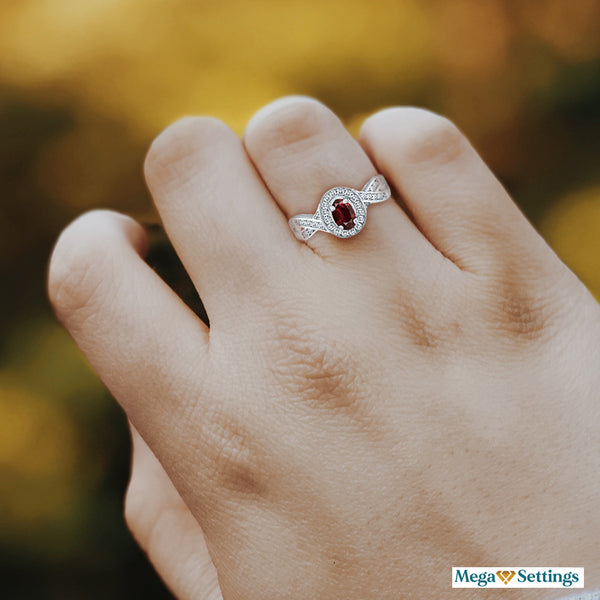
x=362, y=414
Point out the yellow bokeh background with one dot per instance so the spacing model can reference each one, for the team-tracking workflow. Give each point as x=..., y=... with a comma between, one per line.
x=84, y=87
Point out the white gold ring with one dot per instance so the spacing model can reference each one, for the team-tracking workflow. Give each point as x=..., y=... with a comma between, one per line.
x=342, y=211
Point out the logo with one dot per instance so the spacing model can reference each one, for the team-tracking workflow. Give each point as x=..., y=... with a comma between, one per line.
x=505, y=576
x=517, y=577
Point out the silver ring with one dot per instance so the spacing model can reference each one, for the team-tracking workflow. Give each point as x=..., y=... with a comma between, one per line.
x=342, y=211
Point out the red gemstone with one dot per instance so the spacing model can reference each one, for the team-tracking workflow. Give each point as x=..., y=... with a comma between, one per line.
x=343, y=214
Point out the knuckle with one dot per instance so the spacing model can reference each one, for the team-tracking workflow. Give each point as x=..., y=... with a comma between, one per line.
x=435, y=331
x=441, y=141
x=296, y=125
x=423, y=136
x=421, y=328
x=520, y=312
x=230, y=454
x=429, y=326
x=177, y=151
x=150, y=522
x=313, y=366
x=77, y=273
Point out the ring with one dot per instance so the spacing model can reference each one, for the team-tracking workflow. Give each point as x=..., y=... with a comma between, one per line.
x=342, y=211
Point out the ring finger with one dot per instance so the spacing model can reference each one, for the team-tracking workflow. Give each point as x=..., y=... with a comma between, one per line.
x=302, y=149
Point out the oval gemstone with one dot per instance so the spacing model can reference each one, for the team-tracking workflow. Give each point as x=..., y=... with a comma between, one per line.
x=343, y=214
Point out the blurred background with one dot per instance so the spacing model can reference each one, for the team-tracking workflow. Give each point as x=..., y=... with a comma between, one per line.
x=85, y=86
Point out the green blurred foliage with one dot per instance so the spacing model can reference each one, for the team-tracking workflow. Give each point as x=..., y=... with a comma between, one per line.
x=84, y=86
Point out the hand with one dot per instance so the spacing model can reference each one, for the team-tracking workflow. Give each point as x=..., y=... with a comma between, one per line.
x=362, y=414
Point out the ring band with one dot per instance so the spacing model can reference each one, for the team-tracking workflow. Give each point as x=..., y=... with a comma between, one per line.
x=342, y=211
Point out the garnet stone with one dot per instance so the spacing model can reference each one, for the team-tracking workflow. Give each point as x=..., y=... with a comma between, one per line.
x=343, y=214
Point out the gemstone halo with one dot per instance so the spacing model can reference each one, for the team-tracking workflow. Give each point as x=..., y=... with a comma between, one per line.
x=342, y=211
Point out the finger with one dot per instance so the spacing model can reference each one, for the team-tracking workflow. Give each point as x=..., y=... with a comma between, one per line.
x=131, y=326
x=302, y=149
x=166, y=530
x=153, y=354
x=453, y=196
x=230, y=235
